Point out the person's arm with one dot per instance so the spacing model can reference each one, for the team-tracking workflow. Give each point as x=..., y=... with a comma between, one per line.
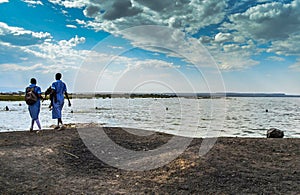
x=67, y=96
x=47, y=92
x=66, y=93
x=40, y=95
x=39, y=92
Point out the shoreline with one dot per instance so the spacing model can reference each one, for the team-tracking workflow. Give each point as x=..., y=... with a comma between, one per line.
x=92, y=125
x=151, y=131
x=58, y=162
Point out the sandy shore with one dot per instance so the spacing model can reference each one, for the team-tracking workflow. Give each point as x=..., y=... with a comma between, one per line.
x=58, y=162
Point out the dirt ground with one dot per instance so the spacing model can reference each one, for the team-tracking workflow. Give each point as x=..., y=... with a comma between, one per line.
x=58, y=162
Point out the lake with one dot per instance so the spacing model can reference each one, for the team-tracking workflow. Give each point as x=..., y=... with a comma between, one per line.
x=242, y=116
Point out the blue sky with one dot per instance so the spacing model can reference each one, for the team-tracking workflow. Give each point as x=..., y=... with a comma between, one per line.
x=191, y=45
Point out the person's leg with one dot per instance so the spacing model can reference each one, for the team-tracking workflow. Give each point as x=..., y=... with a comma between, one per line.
x=57, y=126
x=60, y=121
x=38, y=123
x=62, y=125
x=32, y=123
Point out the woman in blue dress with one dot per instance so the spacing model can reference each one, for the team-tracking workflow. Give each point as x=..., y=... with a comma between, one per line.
x=60, y=89
x=34, y=109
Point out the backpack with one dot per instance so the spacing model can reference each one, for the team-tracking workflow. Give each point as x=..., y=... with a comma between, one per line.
x=30, y=97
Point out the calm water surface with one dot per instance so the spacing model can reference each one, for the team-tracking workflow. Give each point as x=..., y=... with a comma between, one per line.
x=242, y=117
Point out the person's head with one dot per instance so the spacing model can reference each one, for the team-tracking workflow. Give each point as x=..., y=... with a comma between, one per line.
x=33, y=81
x=58, y=76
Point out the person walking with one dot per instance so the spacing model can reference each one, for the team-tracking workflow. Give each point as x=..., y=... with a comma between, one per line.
x=60, y=89
x=35, y=106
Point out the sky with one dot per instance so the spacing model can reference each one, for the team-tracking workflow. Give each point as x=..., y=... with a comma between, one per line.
x=152, y=45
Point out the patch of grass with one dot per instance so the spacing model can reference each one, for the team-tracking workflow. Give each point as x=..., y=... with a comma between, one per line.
x=11, y=97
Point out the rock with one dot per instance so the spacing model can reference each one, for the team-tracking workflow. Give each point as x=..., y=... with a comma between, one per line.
x=275, y=133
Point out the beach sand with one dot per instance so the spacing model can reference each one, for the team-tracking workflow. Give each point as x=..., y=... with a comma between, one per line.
x=58, y=162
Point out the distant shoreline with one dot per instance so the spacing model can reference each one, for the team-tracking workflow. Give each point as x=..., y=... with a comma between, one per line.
x=19, y=96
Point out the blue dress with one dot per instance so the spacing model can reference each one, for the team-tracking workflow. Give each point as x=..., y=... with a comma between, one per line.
x=60, y=88
x=34, y=110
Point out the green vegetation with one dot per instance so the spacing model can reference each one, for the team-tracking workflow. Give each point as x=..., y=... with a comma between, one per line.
x=20, y=96
x=11, y=97
x=151, y=96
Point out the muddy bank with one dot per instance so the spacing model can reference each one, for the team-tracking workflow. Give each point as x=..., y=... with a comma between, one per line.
x=58, y=162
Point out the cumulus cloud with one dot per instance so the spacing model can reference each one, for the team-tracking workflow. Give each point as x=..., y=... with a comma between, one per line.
x=116, y=15
x=264, y=26
x=234, y=61
x=91, y=11
x=62, y=52
x=19, y=45
x=289, y=46
x=72, y=42
x=12, y=53
x=267, y=22
x=223, y=37
x=20, y=36
x=121, y=8
x=231, y=51
x=173, y=43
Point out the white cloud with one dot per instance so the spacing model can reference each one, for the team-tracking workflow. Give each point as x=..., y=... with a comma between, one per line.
x=15, y=67
x=289, y=46
x=40, y=68
x=21, y=36
x=115, y=15
x=234, y=62
x=267, y=22
x=264, y=1
x=73, y=42
x=151, y=64
x=23, y=46
x=276, y=23
x=5, y=29
x=4, y=1
x=81, y=22
x=71, y=26
x=276, y=58
x=115, y=47
x=223, y=37
x=70, y=3
x=172, y=42
x=33, y=2
x=231, y=51
x=267, y=27
x=62, y=53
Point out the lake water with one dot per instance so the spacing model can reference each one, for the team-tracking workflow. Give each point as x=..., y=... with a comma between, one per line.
x=242, y=117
